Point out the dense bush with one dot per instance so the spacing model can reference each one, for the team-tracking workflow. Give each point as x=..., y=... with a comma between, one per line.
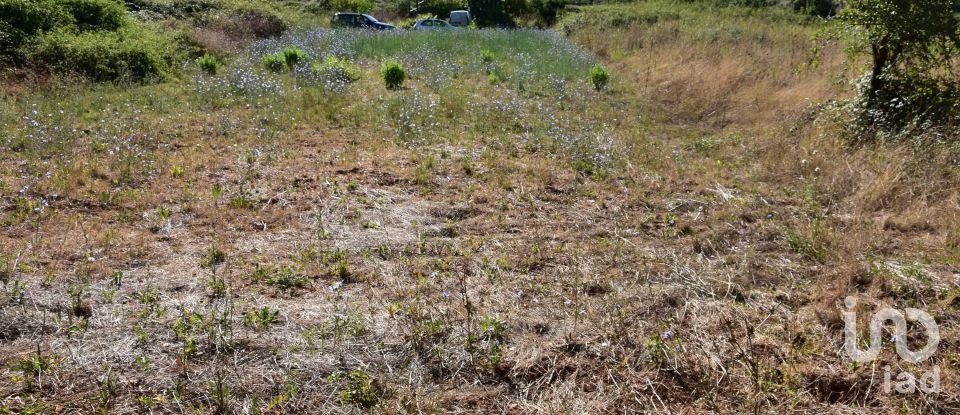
x=823, y=8
x=393, y=74
x=103, y=55
x=94, y=38
x=546, y=11
x=490, y=13
x=21, y=20
x=96, y=14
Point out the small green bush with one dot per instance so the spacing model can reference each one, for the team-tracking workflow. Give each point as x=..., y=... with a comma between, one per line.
x=275, y=63
x=337, y=68
x=486, y=56
x=393, y=74
x=294, y=56
x=209, y=64
x=599, y=77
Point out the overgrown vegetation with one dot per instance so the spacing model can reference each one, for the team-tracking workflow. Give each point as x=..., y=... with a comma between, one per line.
x=94, y=38
x=912, y=79
x=654, y=208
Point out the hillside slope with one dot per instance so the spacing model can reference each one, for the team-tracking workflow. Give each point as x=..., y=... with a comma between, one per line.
x=281, y=233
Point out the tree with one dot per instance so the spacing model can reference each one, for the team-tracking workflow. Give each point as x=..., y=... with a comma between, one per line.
x=490, y=13
x=907, y=39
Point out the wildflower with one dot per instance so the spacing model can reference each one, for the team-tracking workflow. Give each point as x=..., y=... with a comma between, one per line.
x=667, y=334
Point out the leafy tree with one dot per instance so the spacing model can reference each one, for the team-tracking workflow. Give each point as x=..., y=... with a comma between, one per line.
x=488, y=13
x=907, y=39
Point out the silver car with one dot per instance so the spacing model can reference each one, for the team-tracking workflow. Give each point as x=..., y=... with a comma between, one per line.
x=431, y=24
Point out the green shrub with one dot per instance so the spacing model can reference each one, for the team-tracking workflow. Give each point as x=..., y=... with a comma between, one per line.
x=486, y=56
x=336, y=68
x=293, y=56
x=275, y=63
x=21, y=20
x=599, y=77
x=96, y=14
x=209, y=64
x=104, y=56
x=393, y=74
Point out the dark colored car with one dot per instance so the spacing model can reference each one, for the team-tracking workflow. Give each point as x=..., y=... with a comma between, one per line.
x=358, y=21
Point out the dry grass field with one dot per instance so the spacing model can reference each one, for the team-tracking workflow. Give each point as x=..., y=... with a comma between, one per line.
x=494, y=236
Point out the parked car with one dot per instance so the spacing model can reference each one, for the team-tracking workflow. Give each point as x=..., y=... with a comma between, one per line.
x=359, y=21
x=460, y=18
x=431, y=24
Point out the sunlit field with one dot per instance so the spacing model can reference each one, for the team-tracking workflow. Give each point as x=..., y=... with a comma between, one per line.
x=650, y=208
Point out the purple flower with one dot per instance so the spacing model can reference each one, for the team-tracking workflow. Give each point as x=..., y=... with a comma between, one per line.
x=667, y=334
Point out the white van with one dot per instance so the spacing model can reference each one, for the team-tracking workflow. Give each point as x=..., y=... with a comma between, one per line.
x=460, y=18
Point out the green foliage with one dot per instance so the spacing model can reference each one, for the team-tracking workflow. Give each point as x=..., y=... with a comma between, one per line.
x=356, y=6
x=911, y=44
x=21, y=20
x=94, y=38
x=599, y=77
x=822, y=8
x=547, y=11
x=486, y=56
x=490, y=13
x=209, y=64
x=338, y=69
x=294, y=56
x=275, y=63
x=283, y=277
x=96, y=14
x=130, y=53
x=358, y=388
x=393, y=74
x=260, y=319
